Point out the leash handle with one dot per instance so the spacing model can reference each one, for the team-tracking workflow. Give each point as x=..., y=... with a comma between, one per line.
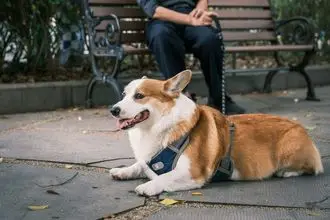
x=223, y=79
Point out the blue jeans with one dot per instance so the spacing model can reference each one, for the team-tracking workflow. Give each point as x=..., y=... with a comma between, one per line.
x=169, y=42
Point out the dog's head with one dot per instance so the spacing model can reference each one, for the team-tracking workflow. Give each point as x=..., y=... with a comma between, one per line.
x=146, y=101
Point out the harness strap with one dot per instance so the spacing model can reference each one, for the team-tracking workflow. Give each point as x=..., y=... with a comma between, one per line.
x=225, y=168
x=183, y=145
x=166, y=159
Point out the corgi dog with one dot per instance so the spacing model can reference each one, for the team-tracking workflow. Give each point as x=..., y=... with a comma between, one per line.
x=157, y=114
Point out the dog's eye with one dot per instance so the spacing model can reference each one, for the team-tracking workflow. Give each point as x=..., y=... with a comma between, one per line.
x=138, y=96
x=123, y=94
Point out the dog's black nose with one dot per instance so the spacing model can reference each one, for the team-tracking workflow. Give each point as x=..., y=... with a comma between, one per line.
x=115, y=111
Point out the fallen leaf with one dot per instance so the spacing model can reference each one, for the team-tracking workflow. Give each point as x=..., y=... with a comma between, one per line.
x=313, y=214
x=1, y=159
x=52, y=192
x=68, y=166
x=310, y=128
x=168, y=202
x=196, y=193
x=37, y=207
x=296, y=100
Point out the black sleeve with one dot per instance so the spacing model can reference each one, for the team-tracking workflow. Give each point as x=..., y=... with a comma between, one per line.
x=148, y=6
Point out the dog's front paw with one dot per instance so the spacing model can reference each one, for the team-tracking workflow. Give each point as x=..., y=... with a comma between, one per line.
x=119, y=173
x=150, y=188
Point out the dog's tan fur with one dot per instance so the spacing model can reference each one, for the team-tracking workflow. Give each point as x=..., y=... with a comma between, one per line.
x=263, y=145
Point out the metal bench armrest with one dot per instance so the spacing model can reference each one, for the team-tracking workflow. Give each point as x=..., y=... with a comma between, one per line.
x=302, y=31
x=110, y=43
x=111, y=28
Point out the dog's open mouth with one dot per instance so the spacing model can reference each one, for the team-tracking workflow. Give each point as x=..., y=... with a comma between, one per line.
x=131, y=122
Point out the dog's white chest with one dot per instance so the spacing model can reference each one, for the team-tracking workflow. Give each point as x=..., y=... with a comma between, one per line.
x=144, y=144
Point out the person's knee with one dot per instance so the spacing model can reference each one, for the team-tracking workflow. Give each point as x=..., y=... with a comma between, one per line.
x=209, y=41
x=158, y=35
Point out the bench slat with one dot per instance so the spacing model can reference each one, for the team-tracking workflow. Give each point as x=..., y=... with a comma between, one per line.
x=228, y=36
x=125, y=25
x=225, y=3
x=223, y=13
x=246, y=24
x=243, y=14
x=240, y=3
x=248, y=36
x=269, y=48
x=230, y=49
x=112, y=2
x=119, y=12
x=226, y=25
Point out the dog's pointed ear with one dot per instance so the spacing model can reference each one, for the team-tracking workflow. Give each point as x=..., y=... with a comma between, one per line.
x=175, y=85
x=144, y=77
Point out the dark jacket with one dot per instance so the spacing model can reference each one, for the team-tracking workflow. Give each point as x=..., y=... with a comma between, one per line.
x=149, y=6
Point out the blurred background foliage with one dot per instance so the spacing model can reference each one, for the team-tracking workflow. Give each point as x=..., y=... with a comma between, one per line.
x=316, y=10
x=30, y=42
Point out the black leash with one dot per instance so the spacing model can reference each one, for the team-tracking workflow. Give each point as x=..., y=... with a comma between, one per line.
x=223, y=79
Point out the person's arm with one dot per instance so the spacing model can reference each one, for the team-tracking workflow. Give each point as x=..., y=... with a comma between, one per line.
x=202, y=4
x=153, y=10
x=165, y=14
x=148, y=6
x=201, y=7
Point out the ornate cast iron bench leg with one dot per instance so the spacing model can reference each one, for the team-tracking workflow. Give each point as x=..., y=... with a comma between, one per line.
x=302, y=34
x=89, y=91
x=268, y=81
x=310, y=87
x=110, y=80
x=107, y=46
x=301, y=70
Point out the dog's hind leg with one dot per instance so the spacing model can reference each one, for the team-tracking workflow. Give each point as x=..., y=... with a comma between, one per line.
x=298, y=155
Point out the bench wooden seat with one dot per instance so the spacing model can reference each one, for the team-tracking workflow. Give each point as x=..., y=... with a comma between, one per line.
x=116, y=29
x=271, y=48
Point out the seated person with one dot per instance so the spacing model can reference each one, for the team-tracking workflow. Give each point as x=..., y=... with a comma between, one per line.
x=179, y=26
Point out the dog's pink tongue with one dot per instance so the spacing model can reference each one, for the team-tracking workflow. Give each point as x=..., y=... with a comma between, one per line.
x=123, y=123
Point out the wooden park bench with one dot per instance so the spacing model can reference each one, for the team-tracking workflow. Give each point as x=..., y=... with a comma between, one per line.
x=115, y=29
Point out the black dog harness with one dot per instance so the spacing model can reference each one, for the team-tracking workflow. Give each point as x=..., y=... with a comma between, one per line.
x=166, y=159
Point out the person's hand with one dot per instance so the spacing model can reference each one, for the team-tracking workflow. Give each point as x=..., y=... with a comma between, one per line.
x=196, y=13
x=201, y=18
